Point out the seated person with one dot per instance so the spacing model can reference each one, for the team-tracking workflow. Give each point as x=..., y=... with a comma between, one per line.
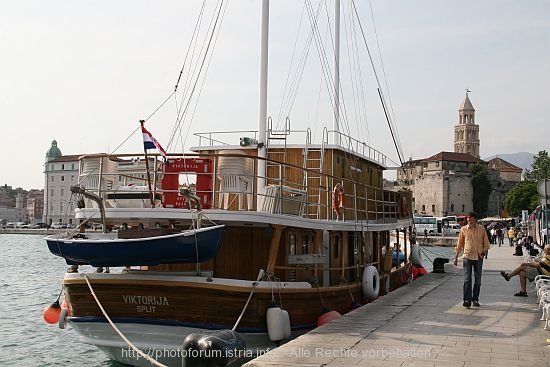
x=529, y=271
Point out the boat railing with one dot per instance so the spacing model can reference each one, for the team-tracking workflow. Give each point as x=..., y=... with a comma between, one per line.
x=233, y=187
x=329, y=138
x=313, y=273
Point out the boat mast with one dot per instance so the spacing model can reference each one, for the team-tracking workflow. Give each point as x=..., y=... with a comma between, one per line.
x=262, y=120
x=336, y=122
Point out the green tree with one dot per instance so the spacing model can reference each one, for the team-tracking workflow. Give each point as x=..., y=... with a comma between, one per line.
x=540, y=168
x=481, y=188
x=522, y=196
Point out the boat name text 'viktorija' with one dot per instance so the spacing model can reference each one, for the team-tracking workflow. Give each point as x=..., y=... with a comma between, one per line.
x=145, y=303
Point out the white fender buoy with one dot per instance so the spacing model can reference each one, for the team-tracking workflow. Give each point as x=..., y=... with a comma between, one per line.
x=62, y=318
x=371, y=282
x=275, y=324
x=416, y=256
x=286, y=318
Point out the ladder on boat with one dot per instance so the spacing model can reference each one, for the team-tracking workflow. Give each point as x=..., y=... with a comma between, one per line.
x=313, y=161
x=272, y=137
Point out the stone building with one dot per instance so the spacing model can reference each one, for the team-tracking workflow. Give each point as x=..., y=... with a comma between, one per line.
x=441, y=184
x=467, y=131
x=60, y=173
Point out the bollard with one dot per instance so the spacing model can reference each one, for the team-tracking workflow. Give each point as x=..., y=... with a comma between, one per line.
x=439, y=264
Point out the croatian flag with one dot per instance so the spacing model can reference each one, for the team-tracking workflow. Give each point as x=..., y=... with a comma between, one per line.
x=149, y=142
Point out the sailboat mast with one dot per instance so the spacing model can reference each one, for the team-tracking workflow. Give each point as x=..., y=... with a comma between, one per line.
x=336, y=122
x=262, y=120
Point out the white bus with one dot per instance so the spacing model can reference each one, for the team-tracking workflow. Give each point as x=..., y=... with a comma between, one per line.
x=425, y=223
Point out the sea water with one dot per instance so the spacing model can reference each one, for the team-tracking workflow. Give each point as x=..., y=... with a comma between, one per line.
x=30, y=280
x=429, y=253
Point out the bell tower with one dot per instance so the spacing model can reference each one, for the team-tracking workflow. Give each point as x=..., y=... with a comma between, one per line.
x=467, y=132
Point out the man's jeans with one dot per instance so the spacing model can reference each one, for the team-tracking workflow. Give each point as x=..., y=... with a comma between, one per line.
x=477, y=266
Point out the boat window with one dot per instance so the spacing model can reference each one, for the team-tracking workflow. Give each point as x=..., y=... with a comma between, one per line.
x=305, y=244
x=292, y=244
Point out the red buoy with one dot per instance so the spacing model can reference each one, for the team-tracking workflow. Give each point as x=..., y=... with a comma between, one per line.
x=51, y=313
x=418, y=272
x=328, y=317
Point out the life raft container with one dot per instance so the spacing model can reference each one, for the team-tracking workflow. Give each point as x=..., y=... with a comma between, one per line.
x=202, y=167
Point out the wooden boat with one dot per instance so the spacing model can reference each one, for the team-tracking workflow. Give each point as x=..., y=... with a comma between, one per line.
x=305, y=227
x=142, y=247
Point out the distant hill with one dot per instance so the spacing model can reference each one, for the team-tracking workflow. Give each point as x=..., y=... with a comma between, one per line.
x=522, y=159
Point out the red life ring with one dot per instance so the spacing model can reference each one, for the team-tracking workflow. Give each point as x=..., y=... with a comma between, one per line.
x=338, y=199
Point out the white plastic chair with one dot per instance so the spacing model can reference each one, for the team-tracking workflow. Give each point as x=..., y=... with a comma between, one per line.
x=236, y=177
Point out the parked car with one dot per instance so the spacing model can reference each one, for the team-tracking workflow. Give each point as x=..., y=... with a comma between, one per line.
x=452, y=229
x=39, y=225
x=58, y=226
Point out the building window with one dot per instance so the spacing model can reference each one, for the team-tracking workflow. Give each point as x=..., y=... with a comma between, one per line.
x=72, y=166
x=423, y=208
x=51, y=192
x=452, y=208
x=62, y=167
x=72, y=178
x=463, y=208
x=433, y=208
x=62, y=192
x=62, y=179
x=51, y=179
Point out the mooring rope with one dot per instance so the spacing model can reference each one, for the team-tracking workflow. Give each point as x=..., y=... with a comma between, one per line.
x=150, y=359
x=260, y=276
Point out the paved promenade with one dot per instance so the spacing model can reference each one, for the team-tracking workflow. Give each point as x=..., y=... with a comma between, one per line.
x=424, y=324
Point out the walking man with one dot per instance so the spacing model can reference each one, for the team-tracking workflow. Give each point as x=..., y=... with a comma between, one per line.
x=473, y=241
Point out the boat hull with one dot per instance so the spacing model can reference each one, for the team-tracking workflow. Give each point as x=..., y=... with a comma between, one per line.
x=158, y=312
x=164, y=343
x=192, y=246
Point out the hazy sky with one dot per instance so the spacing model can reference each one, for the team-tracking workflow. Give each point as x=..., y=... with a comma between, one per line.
x=85, y=72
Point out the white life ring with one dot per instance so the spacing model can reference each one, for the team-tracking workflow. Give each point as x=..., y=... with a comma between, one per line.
x=416, y=256
x=371, y=282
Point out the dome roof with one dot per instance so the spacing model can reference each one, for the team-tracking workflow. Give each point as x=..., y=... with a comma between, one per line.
x=53, y=152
